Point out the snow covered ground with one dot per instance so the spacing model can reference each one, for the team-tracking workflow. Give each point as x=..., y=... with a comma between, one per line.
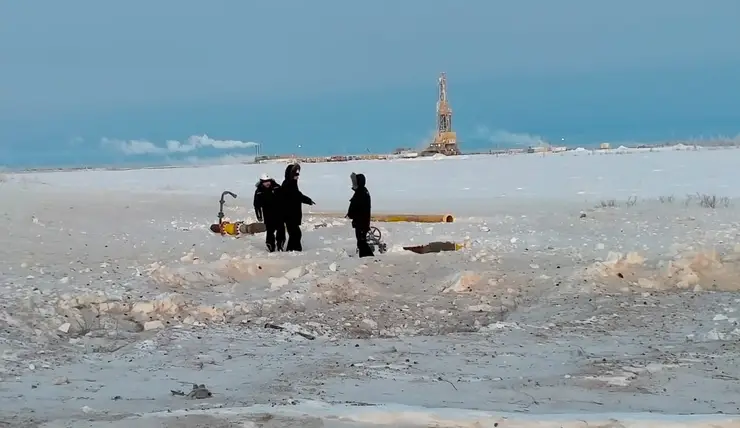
x=591, y=289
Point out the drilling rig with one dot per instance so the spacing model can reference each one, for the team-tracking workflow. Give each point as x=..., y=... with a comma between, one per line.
x=445, y=139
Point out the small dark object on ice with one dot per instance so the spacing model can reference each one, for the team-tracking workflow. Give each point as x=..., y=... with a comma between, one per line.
x=274, y=326
x=277, y=327
x=583, y=215
x=198, y=392
x=433, y=247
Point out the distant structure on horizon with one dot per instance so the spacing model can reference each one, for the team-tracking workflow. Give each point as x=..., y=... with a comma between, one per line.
x=445, y=139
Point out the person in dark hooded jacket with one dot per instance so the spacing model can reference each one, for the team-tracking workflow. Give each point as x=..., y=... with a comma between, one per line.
x=268, y=210
x=359, y=213
x=292, y=206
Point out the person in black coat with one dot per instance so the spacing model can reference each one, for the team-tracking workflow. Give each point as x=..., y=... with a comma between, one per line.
x=292, y=201
x=359, y=213
x=268, y=210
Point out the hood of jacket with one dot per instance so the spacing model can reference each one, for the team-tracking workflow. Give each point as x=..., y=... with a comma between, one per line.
x=358, y=181
x=290, y=170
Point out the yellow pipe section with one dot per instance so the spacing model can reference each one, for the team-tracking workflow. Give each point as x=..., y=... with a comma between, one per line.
x=414, y=218
x=395, y=218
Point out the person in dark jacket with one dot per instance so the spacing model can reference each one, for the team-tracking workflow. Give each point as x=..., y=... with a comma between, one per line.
x=268, y=210
x=359, y=213
x=292, y=206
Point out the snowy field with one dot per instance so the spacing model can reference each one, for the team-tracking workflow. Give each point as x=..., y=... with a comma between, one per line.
x=593, y=290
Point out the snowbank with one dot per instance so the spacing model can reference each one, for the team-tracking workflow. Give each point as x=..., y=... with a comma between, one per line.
x=312, y=413
x=697, y=270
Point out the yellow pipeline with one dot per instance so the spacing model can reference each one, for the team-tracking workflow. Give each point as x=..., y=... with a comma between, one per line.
x=414, y=218
x=394, y=218
x=238, y=228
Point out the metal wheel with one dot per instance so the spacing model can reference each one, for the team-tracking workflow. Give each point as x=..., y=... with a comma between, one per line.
x=373, y=235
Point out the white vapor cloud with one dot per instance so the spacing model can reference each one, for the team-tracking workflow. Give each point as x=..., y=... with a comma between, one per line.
x=221, y=160
x=507, y=138
x=195, y=142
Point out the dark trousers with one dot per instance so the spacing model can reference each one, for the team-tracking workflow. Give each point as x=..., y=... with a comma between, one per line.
x=280, y=236
x=294, y=237
x=273, y=229
x=363, y=247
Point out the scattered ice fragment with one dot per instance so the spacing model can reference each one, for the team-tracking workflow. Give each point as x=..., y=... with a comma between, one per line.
x=61, y=380
x=152, y=325
x=277, y=283
x=713, y=334
x=294, y=273
x=370, y=323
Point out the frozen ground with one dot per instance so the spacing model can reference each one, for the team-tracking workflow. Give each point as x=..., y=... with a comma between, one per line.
x=573, y=300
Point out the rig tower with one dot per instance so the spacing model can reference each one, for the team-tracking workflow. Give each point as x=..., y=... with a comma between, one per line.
x=445, y=139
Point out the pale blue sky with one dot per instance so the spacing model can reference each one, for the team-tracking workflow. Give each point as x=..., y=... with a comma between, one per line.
x=76, y=71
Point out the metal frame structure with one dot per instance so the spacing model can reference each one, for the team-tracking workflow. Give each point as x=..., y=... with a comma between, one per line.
x=445, y=139
x=374, y=240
